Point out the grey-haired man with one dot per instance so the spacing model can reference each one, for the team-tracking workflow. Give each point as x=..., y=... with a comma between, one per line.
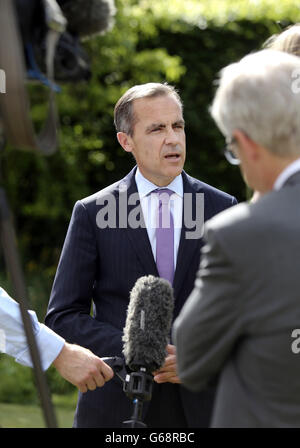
x=240, y=318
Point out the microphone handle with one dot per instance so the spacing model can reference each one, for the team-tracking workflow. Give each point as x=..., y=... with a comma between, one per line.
x=118, y=365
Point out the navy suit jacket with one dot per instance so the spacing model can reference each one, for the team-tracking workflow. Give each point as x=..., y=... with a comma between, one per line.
x=98, y=268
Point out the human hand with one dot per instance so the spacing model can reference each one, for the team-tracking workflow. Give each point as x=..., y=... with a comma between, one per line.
x=82, y=368
x=168, y=372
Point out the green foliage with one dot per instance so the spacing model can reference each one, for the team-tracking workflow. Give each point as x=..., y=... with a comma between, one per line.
x=217, y=12
x=16, y=385
x=204, y=53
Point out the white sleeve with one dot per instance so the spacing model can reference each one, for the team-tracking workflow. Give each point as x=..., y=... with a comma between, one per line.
x=13, y=339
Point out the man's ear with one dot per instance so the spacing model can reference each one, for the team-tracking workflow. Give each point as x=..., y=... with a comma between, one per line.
x=246, y=145
x=125, y=141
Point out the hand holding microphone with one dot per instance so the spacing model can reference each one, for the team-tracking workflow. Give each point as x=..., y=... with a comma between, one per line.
x=168, y=372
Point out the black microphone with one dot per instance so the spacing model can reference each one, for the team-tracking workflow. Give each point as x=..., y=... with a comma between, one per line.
x=86, y=18
x=148, y=323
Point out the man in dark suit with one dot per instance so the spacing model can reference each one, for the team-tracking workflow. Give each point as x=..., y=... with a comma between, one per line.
x=241, y=318
x=111, y=242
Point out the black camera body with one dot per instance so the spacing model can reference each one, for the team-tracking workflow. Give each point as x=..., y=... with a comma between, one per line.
x=71, y=62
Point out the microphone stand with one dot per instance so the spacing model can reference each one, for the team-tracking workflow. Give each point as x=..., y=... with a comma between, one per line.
x=8, y=241
x=136, y=385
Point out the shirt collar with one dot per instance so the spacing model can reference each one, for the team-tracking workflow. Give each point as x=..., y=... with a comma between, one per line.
x=145, y=187
x=286, y=174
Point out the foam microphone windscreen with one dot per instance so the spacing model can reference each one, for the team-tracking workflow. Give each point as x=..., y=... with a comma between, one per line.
x=148, y=323
x=88, y=17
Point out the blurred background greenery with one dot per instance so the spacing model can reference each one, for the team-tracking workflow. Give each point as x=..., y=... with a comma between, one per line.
x=183, y=43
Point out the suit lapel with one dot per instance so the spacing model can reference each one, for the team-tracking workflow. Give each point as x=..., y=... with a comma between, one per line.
x=187, y=247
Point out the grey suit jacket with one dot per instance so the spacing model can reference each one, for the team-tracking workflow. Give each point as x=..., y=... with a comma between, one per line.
x=239, y=318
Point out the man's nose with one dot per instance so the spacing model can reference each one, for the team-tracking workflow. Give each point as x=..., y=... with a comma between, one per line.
x=172, y=137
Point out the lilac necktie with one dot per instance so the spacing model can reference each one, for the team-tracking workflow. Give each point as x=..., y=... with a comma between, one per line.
x=165, y=236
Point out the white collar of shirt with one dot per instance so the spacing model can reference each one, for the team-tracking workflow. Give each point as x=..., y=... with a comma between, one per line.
x=286, y=174
x=145, y=187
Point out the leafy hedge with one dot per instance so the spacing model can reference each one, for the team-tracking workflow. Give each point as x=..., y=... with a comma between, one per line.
x=18, y=385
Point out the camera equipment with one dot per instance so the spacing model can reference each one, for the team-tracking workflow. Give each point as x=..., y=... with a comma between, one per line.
x=40, y=41
x=35, y=44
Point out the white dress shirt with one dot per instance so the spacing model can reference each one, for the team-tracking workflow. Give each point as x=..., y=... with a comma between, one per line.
x=149, y=204
x=13, y=339
x=291, y=169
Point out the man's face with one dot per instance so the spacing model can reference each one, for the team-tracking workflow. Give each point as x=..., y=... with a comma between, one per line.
x=158, y=141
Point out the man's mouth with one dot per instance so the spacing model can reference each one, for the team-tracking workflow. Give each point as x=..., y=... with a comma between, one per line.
x=173, y=156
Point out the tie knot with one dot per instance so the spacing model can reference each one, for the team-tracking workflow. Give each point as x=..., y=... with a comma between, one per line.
x=164, y=194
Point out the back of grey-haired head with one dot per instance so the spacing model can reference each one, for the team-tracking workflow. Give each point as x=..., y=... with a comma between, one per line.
x=260, y=95
x=124, y=118
x=288, y=41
